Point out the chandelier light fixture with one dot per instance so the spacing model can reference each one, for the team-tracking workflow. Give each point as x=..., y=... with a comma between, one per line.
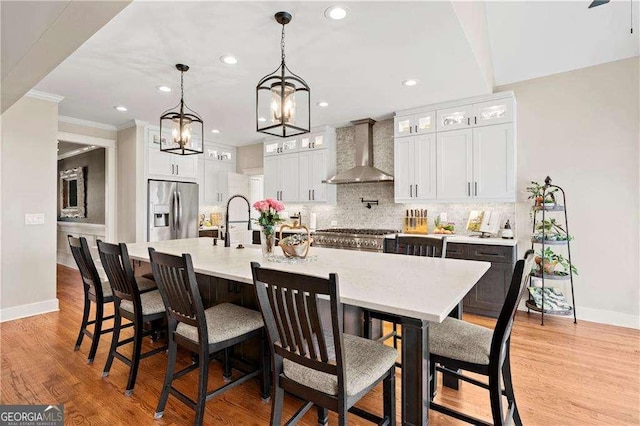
x=283, y=99
x=187, y=128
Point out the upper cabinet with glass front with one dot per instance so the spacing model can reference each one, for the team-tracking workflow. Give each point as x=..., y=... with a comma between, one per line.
x=281, y=146
x=414, y=124
x=314, y=140
x=494, y=112
x=455, y=118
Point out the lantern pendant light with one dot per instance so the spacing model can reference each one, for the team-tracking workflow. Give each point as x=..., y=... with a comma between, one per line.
x=187, y=128
x=283, y=99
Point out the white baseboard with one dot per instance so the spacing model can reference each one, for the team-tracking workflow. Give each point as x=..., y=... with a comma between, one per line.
x=28, y=310
x=603, y=317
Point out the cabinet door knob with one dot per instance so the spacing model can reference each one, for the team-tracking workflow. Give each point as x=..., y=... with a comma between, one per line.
x=177, y=169
x=416, y=128
x=313, y=194
x=475, y=120
x=469, y=188
x=173, y=169
x=309, y=194
x=475, y=184
x=410, y=191
x=468, y=121
x=416, y=189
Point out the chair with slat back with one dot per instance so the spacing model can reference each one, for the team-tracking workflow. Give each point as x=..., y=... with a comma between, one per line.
x=320, y=365
x=95, y=290
x=459, y=345
x=421, y=246
x=132, y=304
x=412, y=246
x=202, y=331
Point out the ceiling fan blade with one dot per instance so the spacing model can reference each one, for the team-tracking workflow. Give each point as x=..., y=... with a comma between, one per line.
x=595, y=3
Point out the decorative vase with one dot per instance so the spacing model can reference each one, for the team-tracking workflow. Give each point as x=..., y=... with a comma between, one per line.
x=268, y=241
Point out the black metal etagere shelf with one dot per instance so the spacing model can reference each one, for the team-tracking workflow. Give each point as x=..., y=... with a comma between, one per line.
x=540, y=239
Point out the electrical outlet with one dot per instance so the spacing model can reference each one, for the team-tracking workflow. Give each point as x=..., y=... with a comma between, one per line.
x=334, y=223
x=34, y=218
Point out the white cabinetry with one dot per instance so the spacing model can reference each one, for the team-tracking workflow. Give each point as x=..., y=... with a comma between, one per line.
x=281, y=146
x=415, y=168
x=455, y=164
x=407, y=125
x=471, y=155
x=313, y=168
x=281, y=177
x=295, y=168
x=477, y=163
x=478, y=114
x=218, y=162
x=169, y=166
x=494, y=162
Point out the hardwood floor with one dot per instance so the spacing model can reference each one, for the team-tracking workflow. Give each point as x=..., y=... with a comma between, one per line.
x=564, y=374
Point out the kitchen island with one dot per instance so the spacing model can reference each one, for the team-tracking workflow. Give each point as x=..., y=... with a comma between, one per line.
x=415, y=289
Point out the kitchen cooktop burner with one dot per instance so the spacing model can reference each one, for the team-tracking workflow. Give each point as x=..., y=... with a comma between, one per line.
x=358, y=231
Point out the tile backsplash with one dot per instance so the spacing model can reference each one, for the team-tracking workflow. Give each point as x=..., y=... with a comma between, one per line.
x=349, y=212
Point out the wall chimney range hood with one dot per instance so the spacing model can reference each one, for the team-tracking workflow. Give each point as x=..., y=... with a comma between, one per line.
x=364, y=171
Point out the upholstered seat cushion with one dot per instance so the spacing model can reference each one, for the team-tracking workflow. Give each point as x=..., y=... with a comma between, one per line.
x=106, y=289
x=460, y=340
x=145, y=284
x=224, y=322
x=366, y=361
x=151, y=303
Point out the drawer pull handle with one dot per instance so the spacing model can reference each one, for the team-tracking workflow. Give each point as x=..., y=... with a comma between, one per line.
x=489, y=254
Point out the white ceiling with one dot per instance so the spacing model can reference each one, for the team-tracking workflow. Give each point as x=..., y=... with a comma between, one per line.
x=38, y=35
x=537, y=38
x=357, y=65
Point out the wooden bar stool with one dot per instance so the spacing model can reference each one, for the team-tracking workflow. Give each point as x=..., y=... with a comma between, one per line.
x=412, y=246
x=95, y=290
x=464, y=346
x=202, y=331
x=321, y=366
x=132, y=304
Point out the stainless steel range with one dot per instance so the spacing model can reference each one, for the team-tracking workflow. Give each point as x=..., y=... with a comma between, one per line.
x=352, y=238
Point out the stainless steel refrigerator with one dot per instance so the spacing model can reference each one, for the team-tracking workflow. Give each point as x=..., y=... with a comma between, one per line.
x=172, y=210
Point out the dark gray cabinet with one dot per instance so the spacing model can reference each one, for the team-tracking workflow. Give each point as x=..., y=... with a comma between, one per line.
x=487, y=296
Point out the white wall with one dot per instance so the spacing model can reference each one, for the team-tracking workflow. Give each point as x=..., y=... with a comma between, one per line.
x=249, y=157
x=582, y=129
x=28, y=169
x=131, y=185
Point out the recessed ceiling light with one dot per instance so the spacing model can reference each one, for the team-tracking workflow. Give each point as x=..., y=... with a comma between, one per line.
x=215, y=131
x=410, y=82
x=163, y=88
x=323, y=104
x=336, y=13
x=120, y=108
x=229, y=60
x=262, y=119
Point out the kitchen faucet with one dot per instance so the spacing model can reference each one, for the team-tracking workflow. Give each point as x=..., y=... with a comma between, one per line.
x=227, y=240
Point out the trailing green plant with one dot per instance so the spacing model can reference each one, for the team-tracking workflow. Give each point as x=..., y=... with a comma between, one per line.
x=549, y=257
x=550, y=230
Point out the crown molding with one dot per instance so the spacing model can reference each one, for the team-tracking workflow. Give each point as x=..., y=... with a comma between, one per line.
x=86, y=123
x=44, y=96
x=131, y=123
x=78, y=152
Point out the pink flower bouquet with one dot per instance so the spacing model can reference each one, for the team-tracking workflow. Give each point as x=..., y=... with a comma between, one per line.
x=269, y=217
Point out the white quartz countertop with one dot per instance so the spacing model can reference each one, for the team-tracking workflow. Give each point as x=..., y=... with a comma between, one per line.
x=412, y=286
x=467, y=239
x=209, y=228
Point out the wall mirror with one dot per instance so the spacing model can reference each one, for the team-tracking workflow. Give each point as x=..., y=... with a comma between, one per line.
x=72, y=193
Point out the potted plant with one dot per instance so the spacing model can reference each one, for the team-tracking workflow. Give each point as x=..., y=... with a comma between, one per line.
x=548, y=260
x=550, y=230
x=542, y=197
